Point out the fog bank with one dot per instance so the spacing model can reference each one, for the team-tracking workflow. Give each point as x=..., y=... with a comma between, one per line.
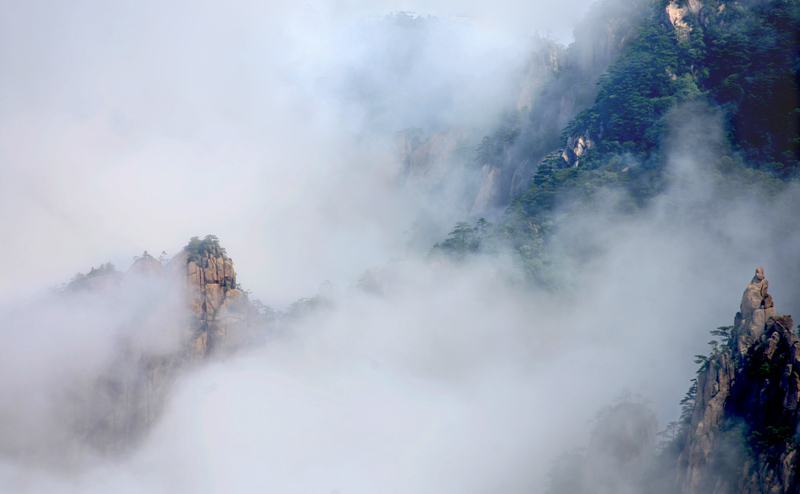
x=137, y=126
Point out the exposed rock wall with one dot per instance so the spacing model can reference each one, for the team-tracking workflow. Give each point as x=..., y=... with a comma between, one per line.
x=755, y=310
x=221, y=315
x=119, y=408
x=743, y=432
x=487, y=195
x=576, y=148
x=602, y=33
x=540, y=67
x=713, y=390
x=675, y=15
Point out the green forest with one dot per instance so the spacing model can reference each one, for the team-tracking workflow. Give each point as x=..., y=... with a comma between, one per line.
x=737, y=65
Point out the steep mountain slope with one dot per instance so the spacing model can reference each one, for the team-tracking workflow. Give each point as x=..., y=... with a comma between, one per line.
x=163, y=319
x=129, y=398
x=738, y=432
x=555, y=83
x=732, y=65
x=742, y=435
x=560, y=82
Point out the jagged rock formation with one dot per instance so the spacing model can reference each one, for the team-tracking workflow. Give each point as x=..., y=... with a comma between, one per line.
x=209, y=317
x=743, y=432
x=575, y=148
x=223, y=319
x=676, y=12
x=220, y=312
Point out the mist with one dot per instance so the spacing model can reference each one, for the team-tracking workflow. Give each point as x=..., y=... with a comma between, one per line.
x=136, y=126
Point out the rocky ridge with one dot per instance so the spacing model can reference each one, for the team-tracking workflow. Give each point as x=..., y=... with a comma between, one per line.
x=558, y=83
x=575, y=148
x=742, y=437
x=117, y=409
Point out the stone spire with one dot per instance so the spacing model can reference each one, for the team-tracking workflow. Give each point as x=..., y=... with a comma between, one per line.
x=754, y=312
x=746, y=410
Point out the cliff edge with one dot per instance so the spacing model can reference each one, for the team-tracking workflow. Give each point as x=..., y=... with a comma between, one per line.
x=742, y=437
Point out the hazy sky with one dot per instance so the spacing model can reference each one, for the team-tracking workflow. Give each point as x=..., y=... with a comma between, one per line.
x=131, y=126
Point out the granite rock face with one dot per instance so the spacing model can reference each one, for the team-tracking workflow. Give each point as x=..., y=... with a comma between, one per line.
x=206, y=317
x=756, y=309
x=743, y=432
x=576, y=148
x=675, y=13
x=221, y=315
x=540, y=66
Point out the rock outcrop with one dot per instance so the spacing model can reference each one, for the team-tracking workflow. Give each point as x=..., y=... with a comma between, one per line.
x=576, y=148
x=212, y=317
x=756, y=309
x=607, y=41
x=675, y=14
x=220, y=312
x=743, y=432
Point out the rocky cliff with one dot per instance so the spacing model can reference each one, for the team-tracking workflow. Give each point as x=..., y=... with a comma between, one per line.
x=742, y=437
x=222, y=317
x=557, y=84
x=675, y=14
x=210, y=317
x=540, y=68
x=609, y=44
x=576, y=147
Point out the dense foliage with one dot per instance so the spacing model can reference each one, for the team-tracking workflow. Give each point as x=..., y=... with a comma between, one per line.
x=736, y=65
x=743, y=59
x=197, y=249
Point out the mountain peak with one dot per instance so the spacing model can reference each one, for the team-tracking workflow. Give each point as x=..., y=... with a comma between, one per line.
x=741, y=436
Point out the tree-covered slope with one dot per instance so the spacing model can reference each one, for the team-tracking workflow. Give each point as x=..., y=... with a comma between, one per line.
x=733, y=64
